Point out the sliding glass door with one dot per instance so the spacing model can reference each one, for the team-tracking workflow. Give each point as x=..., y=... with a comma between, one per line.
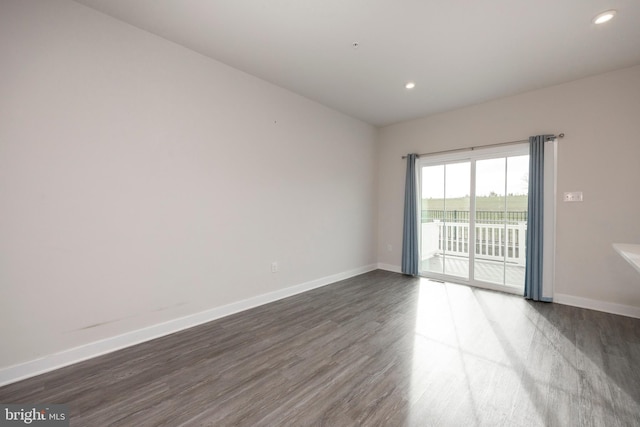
x=474, y=216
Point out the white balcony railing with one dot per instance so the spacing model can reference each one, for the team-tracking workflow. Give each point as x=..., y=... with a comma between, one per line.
x=493, y=241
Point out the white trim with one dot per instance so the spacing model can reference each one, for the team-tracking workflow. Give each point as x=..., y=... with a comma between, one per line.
x=607, y=307
x=389, y=267
x=471, y=254
x=97, y=348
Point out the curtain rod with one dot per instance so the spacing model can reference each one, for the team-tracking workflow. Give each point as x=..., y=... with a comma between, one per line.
x=549, y=138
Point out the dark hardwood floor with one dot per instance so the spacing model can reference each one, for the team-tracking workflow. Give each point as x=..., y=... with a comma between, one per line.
x=380, y=349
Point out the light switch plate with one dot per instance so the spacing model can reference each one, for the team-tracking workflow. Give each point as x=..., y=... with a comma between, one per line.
x=573, y=196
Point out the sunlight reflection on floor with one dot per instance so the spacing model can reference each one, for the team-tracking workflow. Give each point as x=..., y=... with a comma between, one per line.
x=460, y=362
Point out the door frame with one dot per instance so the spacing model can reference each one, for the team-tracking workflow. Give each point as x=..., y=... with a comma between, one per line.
x=471, y=155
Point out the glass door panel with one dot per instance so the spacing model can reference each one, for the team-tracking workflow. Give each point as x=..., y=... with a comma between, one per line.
x=501, y=220
x=445, y=219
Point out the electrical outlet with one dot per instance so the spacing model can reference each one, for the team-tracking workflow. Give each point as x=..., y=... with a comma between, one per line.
x=389, y=248
x=274, y=267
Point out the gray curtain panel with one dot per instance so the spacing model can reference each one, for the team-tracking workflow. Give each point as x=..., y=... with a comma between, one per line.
x=535, y=221
x=410, y=253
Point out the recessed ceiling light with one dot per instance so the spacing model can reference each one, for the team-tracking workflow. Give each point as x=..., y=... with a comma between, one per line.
x=603, y=17
x=410, y=85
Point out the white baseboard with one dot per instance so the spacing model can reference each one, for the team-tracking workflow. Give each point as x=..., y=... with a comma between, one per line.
x=607, y=307
x=390, y=267
x=68, y=357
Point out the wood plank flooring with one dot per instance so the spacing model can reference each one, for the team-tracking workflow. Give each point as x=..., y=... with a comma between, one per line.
x=380, y=349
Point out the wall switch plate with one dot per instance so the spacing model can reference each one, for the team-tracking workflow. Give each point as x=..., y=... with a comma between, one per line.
x=274, y=267
x=573, y=196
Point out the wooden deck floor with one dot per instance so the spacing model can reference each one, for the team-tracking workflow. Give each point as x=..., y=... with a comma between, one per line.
x=485, y=270
x=380, y=349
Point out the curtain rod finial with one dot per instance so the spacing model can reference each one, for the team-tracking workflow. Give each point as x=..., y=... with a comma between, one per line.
x=561, y=135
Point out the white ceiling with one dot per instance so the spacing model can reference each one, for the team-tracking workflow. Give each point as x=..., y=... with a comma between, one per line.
x=459, y=52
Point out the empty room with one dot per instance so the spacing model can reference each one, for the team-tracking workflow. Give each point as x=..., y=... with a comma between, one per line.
x=305, y=213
